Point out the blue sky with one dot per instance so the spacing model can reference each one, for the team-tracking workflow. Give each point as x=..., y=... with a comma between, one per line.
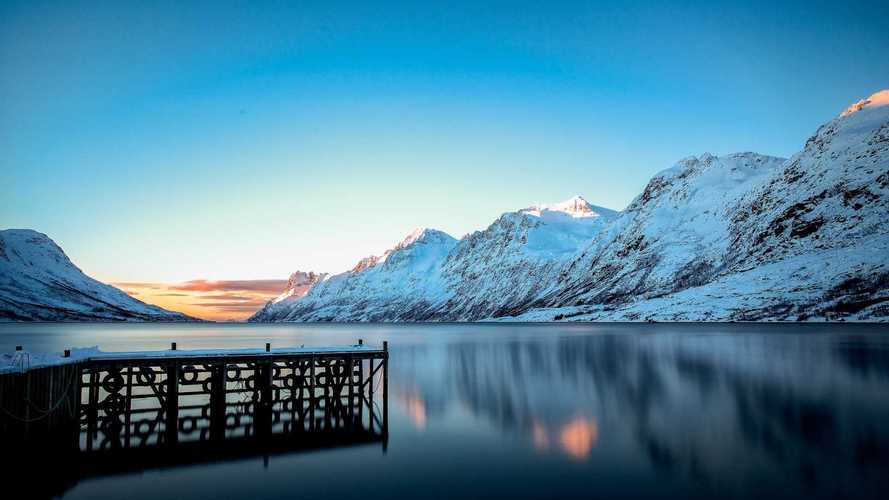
x=166, y=142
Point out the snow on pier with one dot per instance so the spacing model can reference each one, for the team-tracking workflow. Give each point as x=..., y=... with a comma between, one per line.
x=22, y=360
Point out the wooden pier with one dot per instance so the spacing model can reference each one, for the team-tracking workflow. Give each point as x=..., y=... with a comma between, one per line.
x=142, y=410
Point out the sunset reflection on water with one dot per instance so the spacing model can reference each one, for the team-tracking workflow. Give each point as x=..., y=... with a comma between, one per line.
x=575, y=438
x=578, y=437
x=414, y=407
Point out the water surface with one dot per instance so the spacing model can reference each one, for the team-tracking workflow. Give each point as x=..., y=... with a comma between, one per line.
x=533, y=411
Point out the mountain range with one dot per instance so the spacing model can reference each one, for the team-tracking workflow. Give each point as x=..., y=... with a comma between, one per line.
x=740, y=237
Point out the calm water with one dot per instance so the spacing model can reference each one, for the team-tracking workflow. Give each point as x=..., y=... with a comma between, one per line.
x=535, y=411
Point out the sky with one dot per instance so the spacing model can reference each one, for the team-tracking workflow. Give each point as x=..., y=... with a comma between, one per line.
x=173, y=142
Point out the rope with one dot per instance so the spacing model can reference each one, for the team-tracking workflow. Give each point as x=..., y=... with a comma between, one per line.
x=379, y=381
x=48, y=411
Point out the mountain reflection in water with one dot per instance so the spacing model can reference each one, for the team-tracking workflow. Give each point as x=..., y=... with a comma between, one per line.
x=746, y=412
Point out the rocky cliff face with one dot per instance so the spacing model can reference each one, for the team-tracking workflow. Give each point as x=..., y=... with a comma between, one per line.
x=39, y=283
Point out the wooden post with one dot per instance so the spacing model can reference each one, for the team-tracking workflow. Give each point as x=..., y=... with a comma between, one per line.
x=263, y=417
x=75, y=434
x=370, y=393
x=312, y=392
x=129, y=410
x=93, y=413
x=267, y=374
x=172, y=404
x=361, y=392
x=217, y=401
x=27, y=376
x=385, y=394
x=351, y=379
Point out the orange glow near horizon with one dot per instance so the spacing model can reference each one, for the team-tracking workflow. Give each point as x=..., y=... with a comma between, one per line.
x=229, y=300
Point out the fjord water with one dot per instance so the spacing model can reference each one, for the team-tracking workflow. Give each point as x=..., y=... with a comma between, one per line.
x=535, y=411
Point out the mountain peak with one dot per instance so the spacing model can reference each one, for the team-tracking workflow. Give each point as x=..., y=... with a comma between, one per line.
x=880, y=98
x=30, y=248
x=576, y=207
x=421, y=233
x=299, y=284
x=304, y=278
x=418, y=234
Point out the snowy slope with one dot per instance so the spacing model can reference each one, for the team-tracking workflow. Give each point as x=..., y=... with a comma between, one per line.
x=492, y=272
x=298, y=286
x=805, y=240
x=431, y=276
x=399, y=285
x=39, y=282
x=672, y=236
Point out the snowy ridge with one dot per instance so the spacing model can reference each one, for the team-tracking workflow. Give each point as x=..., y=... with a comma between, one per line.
x=431, y=276
x=492, y=272
x=299, y=284
x=399, y=285
x=671, y=236
x=805, y=239
x=22, y=361
x=39, y=282
x=574, y=207
x=735, y=237
x=881, y=98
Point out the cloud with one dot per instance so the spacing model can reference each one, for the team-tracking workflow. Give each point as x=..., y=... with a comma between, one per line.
x=138, y=284
x=208, y=299
x=232, y=306
x=226, y=296
x=265, y=286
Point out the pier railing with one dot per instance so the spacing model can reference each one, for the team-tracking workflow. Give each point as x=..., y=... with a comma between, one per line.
x=162, y=400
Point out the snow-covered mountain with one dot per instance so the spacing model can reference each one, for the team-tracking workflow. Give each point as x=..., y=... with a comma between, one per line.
x=39, y=282
x=401, y=284
x=493, y=272
x=299, y=284
x=735, y=237
x=747, y=237
x=432, y=276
